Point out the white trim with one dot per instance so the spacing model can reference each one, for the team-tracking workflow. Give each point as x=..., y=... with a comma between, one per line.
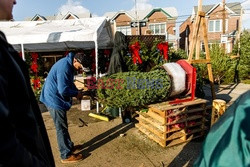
x=153, y=32
x=37, y=16
x=122, y=12
x=220, y=4
x=96, y=70
x=71, y=14
x=22, y=49
x=214, y=20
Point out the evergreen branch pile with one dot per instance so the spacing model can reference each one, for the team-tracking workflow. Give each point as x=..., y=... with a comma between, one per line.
x=133, y=89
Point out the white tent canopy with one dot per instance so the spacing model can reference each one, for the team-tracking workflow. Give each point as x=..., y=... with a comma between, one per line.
x=58, y=35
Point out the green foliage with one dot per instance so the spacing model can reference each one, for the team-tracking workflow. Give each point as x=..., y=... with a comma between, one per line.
x=247, y=81
x=33, y=75
x=152, y=57
x=221, y=65
x=28, y=60
x=175, y=55
x=155, y=55
x=37, y=90
x=133, y=89
x=232, y=73
x=244, y=63
x=143, y=54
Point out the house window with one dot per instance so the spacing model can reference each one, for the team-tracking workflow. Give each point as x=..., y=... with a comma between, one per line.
x=216, y=25
x=158, y=28
x=126, y=30
x=203, y=46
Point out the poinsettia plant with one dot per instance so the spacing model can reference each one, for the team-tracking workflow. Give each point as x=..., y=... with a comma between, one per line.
x=36, y=70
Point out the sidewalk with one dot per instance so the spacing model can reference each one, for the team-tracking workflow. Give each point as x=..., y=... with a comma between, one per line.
x=229, y=93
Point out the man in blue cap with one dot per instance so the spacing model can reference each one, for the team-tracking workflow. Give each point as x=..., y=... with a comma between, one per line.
x=57, y=93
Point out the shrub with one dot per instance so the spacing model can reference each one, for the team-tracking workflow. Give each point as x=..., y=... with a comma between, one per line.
x=221, y=63
x=244, y=63
x=175, y=55
x=221, y=66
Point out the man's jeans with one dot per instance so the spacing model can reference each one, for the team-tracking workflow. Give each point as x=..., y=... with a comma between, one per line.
x=63, y=139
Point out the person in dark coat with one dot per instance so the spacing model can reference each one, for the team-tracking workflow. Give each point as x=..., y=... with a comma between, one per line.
x=117, y=63
x=24, y=141
x=57, y=93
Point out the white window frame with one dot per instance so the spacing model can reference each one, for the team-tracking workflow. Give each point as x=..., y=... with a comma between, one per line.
x=126, y=30
x=153, y=30
x=202, y=46
x=214, y=27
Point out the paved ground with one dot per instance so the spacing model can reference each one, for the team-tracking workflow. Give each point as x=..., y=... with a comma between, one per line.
x=229, y=93
x=104, y=146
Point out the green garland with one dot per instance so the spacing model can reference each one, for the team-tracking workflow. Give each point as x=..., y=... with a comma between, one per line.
x=143, y=54
x=150, y=57
x=133, y=89
x=155, y=55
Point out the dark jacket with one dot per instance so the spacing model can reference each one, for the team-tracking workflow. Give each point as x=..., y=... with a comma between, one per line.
x=23, y=140
x=59, y=87
x=117, y=63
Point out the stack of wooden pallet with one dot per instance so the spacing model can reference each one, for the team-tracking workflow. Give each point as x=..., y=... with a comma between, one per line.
x=170, y=125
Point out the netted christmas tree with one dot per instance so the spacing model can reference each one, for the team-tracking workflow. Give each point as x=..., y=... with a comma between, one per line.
x=145, y=83
x=133, y=89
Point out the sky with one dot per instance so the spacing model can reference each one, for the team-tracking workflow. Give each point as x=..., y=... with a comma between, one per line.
x=29, y=8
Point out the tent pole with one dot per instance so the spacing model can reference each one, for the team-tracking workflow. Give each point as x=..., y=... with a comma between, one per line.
x=23, y=54
x=96, y=69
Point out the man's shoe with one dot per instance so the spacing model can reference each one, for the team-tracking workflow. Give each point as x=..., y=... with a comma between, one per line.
x=72, y=159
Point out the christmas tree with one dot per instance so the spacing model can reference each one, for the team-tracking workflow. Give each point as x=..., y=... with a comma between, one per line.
x=133, y=89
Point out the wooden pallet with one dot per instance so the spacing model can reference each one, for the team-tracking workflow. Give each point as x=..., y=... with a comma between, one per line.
x=169, y=125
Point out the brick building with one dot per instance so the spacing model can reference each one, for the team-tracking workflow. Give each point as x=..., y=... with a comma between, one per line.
x=214, y=21
x=157, y=21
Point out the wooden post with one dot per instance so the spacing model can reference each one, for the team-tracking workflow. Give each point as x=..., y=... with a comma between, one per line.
x=198, y=42
x=198, y=48
x=194, y=38
x=209, y=66
x=219, y=107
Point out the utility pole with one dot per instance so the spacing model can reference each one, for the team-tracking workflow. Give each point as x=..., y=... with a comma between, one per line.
x=137, y=20
x=224, y=22
x=239, y=32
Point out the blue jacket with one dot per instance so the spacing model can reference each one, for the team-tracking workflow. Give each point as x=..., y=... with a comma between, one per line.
x=59, y=87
